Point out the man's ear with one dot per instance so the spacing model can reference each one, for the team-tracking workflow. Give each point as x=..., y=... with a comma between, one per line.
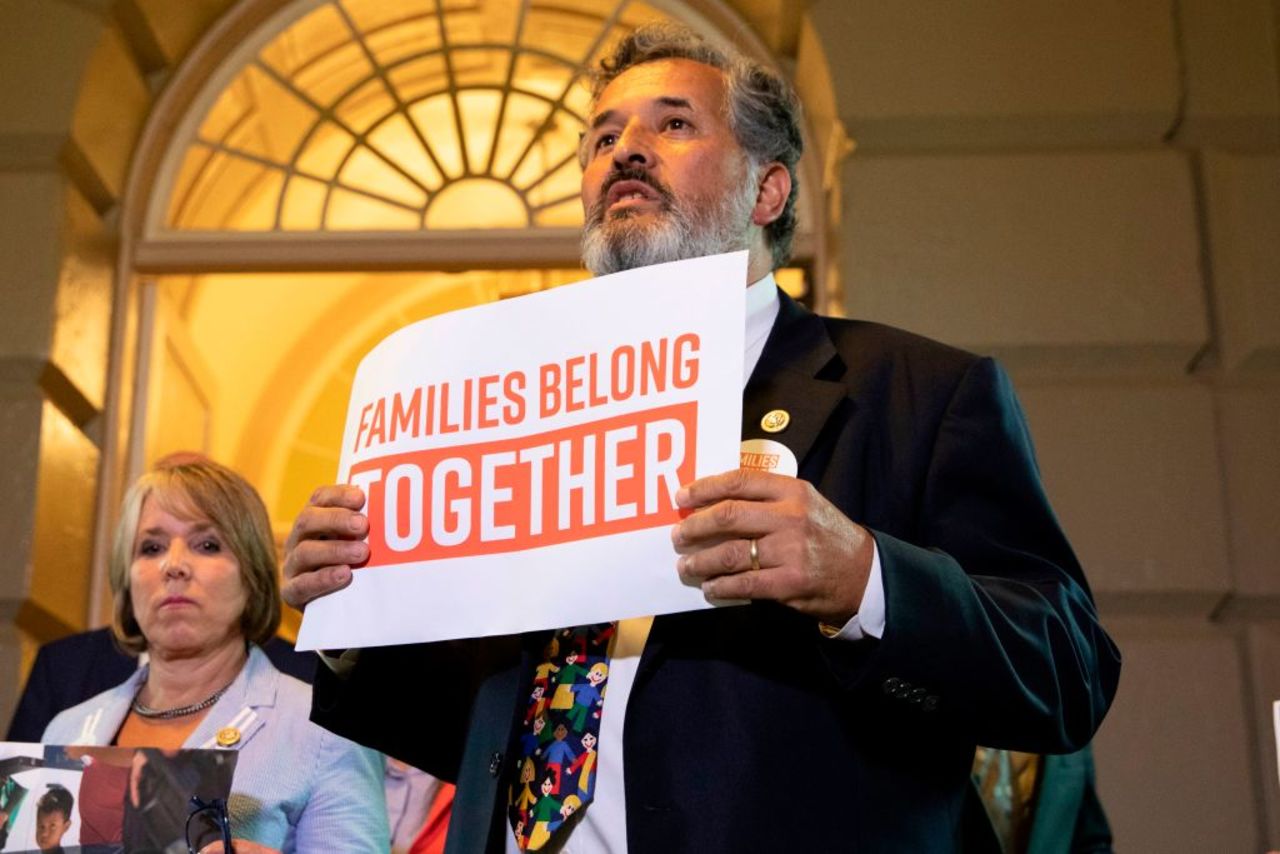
x=772, y=195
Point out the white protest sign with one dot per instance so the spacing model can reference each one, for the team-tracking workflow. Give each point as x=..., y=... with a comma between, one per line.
x=520, y=458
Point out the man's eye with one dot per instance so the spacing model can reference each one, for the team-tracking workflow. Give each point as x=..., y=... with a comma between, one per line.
x=677, y=124
x=605, y=140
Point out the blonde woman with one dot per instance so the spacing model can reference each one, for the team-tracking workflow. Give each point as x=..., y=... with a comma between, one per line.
x=193, y=571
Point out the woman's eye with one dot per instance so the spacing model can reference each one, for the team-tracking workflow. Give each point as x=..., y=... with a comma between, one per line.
x=149, y=548
x=210, y=546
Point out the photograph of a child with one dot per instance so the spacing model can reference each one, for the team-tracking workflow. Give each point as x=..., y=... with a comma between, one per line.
x=53, y=818
x=106, y=800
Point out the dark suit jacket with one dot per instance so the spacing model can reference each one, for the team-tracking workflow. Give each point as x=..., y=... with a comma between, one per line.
x=70, y=670
x=749, y=731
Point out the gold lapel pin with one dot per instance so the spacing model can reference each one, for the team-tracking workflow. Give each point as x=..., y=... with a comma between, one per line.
x=775, y=420
x=227, y=736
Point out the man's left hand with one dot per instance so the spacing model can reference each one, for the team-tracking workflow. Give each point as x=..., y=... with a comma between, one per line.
x=811, y=556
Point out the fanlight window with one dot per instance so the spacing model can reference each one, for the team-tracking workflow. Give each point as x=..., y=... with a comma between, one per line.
x=392, y=116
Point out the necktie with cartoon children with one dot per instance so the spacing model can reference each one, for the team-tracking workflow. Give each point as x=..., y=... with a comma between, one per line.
x=556, y=771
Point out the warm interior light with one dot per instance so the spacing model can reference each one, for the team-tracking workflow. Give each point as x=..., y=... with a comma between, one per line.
x=353, y=118
x=792, y=281
x=477, y=203
x=356, y=115
x=255, y=369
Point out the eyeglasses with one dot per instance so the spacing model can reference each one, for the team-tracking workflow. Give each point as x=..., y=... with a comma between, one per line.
x=214, y=811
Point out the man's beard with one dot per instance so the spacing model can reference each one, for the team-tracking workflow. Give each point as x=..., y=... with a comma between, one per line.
x=680, y=230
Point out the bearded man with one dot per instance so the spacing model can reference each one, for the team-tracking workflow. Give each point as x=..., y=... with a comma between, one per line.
x=910, y=591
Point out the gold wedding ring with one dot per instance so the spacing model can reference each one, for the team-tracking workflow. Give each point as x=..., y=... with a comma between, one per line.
x=755, y=553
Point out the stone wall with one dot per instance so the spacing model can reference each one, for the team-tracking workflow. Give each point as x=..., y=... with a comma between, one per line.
x=79, y=79
x=1091, y=191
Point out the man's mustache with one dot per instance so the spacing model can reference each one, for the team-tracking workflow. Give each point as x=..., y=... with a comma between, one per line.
x=629, y=173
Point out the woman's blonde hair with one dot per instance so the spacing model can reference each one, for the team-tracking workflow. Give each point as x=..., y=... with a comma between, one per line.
x=190, y=486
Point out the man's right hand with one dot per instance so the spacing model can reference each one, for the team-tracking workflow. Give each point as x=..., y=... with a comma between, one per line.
x=326, y=541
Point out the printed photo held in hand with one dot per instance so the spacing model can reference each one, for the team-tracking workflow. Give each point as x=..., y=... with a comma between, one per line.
x=545, y=461
x=57, y=798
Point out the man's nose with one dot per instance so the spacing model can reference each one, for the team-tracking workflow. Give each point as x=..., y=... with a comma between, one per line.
x=633, y=148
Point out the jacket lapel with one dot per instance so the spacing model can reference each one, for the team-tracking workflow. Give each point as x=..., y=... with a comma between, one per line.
x=237, y=714
x=253, y=689
x=791, y=375
x=103, y=721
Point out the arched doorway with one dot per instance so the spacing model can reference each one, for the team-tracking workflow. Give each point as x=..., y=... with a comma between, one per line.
x=320, y=173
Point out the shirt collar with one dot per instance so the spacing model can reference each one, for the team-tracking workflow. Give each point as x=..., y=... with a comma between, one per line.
x=762, y=311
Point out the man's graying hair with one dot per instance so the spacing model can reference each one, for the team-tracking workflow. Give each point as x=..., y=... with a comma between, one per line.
x=764, y=112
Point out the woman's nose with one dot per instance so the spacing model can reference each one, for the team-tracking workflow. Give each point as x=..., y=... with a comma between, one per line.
x=176, y=561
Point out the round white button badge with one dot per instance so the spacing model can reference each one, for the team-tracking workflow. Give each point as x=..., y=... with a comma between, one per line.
x=768, y=455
